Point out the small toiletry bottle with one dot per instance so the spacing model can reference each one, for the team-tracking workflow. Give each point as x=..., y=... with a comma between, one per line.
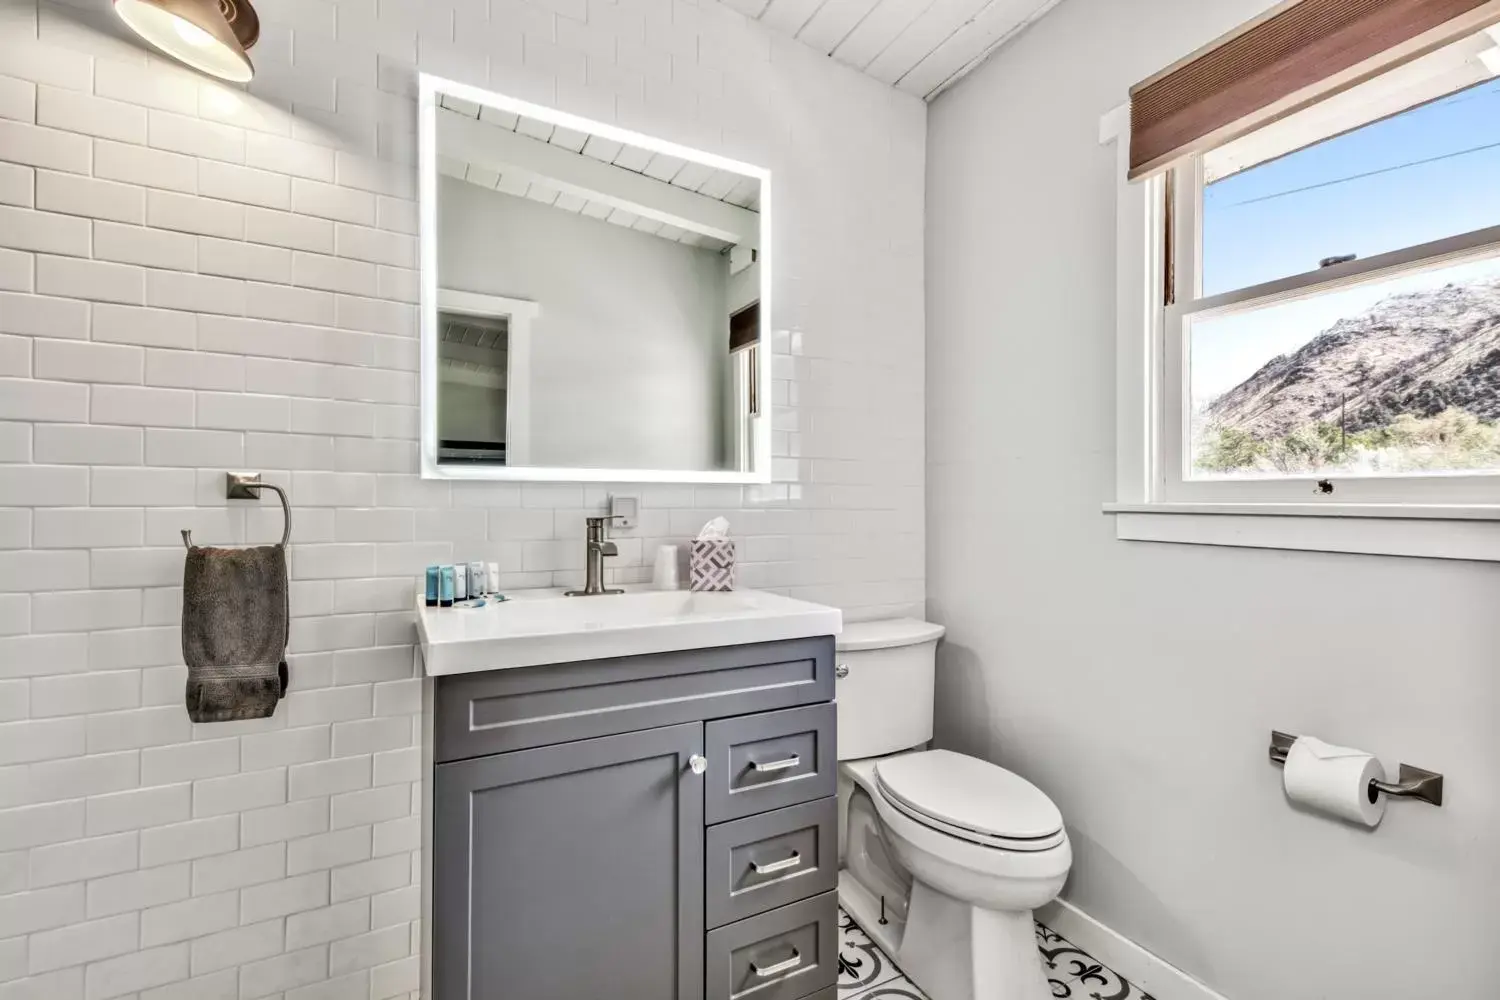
x=477, y=577
x=445, y=596
x=494, y=578
x=460, y=582
x=432, y=586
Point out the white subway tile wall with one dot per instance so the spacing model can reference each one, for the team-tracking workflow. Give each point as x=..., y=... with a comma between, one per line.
x=196, y=278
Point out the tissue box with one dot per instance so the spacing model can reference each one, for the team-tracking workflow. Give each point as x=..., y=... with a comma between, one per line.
x=711, y=564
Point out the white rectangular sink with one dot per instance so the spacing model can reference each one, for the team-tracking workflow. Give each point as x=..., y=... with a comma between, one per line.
x=539, y=627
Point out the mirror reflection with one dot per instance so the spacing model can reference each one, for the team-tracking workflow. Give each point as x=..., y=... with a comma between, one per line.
x=598, y=302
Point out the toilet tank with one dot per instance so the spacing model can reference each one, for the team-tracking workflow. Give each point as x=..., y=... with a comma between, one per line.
x=885, y=694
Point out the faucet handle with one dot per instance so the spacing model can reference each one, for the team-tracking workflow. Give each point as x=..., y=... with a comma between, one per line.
x=603, y=519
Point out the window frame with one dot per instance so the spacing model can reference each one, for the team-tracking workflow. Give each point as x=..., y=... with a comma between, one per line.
x=1455, y=516
x=1186, y=250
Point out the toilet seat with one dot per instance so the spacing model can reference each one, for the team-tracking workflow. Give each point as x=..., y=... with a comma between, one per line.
x=970, y=799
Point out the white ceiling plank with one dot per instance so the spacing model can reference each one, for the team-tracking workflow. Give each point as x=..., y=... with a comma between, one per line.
x=458, y=104
x=603, y=150
x=633, y=158
x=535, y=128
x=972, y=43
x=505, y=119
x=648, y=226
x=882, y=26
x=509, y=152
x=931, y=28
x=569, y=203
x=514, y=184
x=719, y=185
x=788, y=16
x=482, y=176
x=596, y=210
x=621, y=217
x=450, y=167
x=692, y=176
x=569, y=139
x=833, y=22
x=663, y=167
x=542, y=193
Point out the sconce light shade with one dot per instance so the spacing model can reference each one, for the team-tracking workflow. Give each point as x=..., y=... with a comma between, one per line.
x=208, y=35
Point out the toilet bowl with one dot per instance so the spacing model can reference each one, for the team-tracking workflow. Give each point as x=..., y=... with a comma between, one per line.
x=943, y=856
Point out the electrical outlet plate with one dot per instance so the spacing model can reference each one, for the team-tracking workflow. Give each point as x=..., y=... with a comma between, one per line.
x=626, y=510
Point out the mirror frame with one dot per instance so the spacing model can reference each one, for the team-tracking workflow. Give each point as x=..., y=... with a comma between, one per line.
x=430, y=87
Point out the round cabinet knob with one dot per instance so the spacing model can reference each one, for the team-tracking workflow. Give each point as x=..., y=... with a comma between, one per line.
x=698, y=763
x=841, y=671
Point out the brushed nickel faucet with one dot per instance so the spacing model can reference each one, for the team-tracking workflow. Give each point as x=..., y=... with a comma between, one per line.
x=597, y=547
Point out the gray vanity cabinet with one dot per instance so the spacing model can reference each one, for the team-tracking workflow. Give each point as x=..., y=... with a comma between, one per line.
x=572, y=871
x=651, y=828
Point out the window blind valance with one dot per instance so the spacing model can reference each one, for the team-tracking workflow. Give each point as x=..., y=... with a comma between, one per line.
x=1296, y=53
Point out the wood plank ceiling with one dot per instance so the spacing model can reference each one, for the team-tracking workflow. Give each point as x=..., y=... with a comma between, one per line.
x=919, y=46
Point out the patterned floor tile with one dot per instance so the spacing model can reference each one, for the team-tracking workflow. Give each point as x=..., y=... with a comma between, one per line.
x=867, y=973
x=862, y=965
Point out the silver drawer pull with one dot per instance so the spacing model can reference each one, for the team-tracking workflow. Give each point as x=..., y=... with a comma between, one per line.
x=776, y=765
x=775, y=970
x=777, y=866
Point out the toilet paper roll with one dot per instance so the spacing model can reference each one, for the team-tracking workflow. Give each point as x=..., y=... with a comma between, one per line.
x=1333, y=780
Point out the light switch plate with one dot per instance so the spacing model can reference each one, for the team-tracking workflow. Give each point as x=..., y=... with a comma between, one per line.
x=627, y=511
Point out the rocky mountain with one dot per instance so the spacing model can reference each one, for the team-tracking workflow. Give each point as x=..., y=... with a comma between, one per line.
x=1417, y=353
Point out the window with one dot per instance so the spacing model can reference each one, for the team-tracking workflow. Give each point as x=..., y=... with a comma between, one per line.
x=1308, y=294
x=1331, y=331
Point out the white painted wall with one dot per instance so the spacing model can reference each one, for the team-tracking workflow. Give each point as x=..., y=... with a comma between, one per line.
x=194, y=279
x=630, y=343
x=1138, y=683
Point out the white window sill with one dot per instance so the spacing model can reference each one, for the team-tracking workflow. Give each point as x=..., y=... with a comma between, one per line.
x=1432, y=532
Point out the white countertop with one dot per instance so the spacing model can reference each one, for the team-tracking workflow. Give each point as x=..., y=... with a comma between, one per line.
x=536, y=627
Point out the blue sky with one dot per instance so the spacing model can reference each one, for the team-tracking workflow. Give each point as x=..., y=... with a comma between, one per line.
x=1423, y=175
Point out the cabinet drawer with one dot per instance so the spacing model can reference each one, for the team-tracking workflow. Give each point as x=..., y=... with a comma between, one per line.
x=762, y=862
x=761, y=762
x=785, y=954
x=502, y=710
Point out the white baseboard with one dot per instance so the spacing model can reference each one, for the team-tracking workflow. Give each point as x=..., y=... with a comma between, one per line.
x=1154, y=975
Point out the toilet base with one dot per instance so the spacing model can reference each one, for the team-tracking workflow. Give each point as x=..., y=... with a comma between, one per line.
x=952, y=950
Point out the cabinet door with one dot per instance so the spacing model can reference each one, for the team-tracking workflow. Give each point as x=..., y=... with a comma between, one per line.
x=571, y=871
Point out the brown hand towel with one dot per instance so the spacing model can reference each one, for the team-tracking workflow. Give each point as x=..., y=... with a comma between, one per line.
x=234, y=631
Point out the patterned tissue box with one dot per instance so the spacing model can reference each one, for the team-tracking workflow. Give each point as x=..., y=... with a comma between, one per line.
x=711, y=564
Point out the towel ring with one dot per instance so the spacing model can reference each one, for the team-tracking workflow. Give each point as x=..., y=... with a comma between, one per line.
x=247, y=486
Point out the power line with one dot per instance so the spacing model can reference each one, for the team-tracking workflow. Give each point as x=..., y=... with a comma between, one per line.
x=1361, y=176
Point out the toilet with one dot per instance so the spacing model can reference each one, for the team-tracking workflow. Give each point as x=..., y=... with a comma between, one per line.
x=942, y=857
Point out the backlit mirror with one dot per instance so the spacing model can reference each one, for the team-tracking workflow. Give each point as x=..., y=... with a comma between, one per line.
x=594, y=301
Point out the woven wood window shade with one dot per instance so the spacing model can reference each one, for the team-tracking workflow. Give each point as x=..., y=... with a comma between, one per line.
x=1297, y=53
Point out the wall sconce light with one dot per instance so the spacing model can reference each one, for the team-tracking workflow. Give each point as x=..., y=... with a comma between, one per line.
x=208, y=35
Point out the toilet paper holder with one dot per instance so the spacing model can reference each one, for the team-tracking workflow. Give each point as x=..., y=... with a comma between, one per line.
x=1411, y=783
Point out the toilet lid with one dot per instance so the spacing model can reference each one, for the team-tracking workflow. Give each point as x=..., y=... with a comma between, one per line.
x=968, y=794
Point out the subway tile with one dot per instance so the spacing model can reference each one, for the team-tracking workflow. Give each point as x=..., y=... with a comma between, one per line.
x=314, y=927
x=85, y=527
x=286, y=229
x=195, y=292
x=56, y=66
x=151, y=168
x=195, y=370
x=149, y=327
x=135, y=567
x=147, y=247
x=152, y=86
x=16, y=267
x=42, y=486
x=140, y=970
x=194, y=449
x=82, y=361
x=232, y=259
x=138, y=808
x=84, y=942
x=242, y=411
x=190, y=214
x=17, y=185
x=328, y=850
x=329, y=201
x=71, y=194
x=142, y=406
x=43, y=909
x=195, y=137
x=190, y=840
x=251, y=866
x=54, y=149
x=144, y=727
x=64, y=984
x=44, y=232
x=36, y=826
x=285, y=822
x=236, y=946
x=75, y=112
x=369, y=877
x=252, y=790
x=223, y=985
x=189, y=918
x=33, y=570
x=246, y=185
x=289, y=156
x=291, y=305
x=84, y=694
x=190, y=761
x=138, y=890
x=294, y=894
x=80, y=611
